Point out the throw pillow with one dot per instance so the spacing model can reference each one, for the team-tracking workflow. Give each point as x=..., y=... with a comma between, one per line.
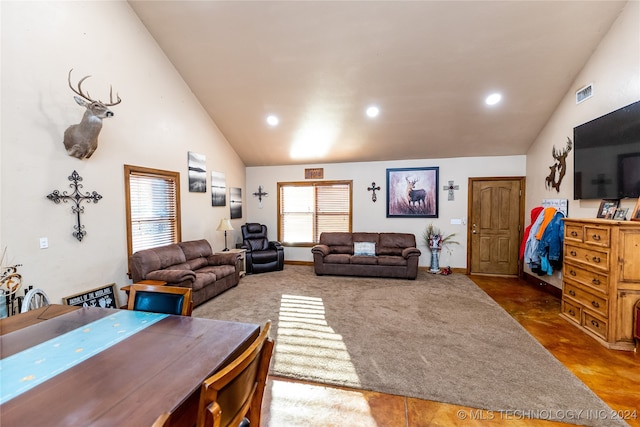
x=364, y=248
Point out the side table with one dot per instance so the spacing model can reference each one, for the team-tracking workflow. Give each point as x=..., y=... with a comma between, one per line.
x=242, y=252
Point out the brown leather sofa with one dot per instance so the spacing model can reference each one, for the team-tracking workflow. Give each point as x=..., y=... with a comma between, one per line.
x=392, y=255
x=190, y=264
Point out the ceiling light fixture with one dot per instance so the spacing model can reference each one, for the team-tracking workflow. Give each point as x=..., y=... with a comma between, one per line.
x=493, y=99
x=273, y=120
x=373, y=111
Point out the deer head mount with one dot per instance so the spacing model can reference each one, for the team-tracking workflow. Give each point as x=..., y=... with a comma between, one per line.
x=559, y=168
x=81, y=140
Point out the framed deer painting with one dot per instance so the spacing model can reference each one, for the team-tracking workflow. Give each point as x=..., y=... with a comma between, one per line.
x=412, y=192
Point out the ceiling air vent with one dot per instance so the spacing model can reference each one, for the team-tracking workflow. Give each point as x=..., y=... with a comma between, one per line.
x=584, y=93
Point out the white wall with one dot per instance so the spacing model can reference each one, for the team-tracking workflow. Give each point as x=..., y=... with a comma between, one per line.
x=157, y=123
x=614, y=70
x=370, y=216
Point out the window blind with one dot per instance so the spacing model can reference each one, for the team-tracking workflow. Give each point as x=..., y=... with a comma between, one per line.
x=310, y=208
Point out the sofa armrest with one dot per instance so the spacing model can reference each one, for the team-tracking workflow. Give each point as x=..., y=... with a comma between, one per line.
x=230, y=258
x=172, y=276
x=409, y=252
x=321, y=250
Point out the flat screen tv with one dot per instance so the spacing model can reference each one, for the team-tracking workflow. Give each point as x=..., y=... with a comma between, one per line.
x=606, y=156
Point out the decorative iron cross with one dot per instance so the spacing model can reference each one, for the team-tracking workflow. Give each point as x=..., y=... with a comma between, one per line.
x=451, y=187
x=76, y=198
x=374, y=189
x=259, y=195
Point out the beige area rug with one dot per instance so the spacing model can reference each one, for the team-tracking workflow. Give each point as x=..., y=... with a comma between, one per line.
x=438, y=338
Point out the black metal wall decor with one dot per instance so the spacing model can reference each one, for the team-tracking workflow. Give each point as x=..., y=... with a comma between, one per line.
x=76, y=197
x=373, y=188
x=259, y=194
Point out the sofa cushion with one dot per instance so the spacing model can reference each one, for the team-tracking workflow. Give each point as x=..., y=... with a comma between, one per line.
x=364, y=248
x=391, y=260
x=394, y=243
x=347, y=250
x=197, y=263
x=203, y=278
x=338, y=259
x=366, y=237
x=195, y=249
x=337, y=239
x=363, y=260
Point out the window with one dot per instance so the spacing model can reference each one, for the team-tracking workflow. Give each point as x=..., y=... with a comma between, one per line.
x=306, y=209
x=153, y=207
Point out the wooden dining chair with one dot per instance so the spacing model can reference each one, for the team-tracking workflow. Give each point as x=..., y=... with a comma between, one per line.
x=35, y=298
x=232, y=397
x=160, y=299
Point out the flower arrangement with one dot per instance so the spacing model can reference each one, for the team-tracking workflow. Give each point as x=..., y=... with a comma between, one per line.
x=434, y=238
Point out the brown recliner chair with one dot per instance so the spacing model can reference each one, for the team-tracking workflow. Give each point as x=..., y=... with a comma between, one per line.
x=262, y=255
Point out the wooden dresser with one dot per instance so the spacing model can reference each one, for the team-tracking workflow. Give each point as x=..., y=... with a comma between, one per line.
x=601, y=278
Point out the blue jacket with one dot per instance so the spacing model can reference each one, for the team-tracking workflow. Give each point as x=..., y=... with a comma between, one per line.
x=550, y=245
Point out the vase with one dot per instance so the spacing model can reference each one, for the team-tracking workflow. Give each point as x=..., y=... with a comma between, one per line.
x=435, y=259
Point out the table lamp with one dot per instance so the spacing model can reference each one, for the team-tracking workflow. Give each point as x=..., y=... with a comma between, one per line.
x=225, y=225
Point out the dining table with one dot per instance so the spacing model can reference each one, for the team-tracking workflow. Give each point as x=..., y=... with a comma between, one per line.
x=73, y=366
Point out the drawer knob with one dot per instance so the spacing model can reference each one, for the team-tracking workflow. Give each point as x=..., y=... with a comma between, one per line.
x=574, y=234
x=596, y=237
x=595, y=323
x=596, y=259
x=596, y=281
x=573, y=253
x=572, y=293
x=573, y=272
x=595, y=304
x=571, y=312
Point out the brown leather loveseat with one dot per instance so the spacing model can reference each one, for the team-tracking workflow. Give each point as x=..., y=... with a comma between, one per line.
x=392, y=255
x=190, y=264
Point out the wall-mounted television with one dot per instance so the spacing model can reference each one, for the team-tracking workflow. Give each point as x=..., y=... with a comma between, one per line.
x=606, y=156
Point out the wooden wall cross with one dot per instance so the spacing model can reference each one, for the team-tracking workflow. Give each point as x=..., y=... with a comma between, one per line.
x=451, y=187
x=76, y=198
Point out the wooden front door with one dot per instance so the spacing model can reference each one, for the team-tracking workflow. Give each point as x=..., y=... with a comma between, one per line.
x=496, y=221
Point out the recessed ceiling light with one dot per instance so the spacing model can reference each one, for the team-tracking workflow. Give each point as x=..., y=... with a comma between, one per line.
x=493, y=99
x=373, y=111
x=273, y=120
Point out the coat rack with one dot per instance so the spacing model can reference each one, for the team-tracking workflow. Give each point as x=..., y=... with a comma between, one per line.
x=76, y=198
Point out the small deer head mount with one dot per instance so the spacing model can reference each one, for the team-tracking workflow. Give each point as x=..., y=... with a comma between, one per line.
x=81, y=140
x=559, y=168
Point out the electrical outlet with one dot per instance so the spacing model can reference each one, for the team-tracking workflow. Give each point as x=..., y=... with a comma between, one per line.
x=44, y=243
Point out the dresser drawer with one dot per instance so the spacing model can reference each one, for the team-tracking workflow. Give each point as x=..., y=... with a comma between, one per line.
x=572, y=311
x=588, y=300
x=596, y=281
x=597, y=236
x=573, y=232
x=598, y=259
x=595, y=325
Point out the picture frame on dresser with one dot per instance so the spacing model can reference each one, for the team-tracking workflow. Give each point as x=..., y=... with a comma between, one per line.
x=608, y=208
x=621, y=214
x=635, y=215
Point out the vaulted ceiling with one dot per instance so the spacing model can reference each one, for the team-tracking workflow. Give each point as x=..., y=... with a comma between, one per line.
x=427, y=66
